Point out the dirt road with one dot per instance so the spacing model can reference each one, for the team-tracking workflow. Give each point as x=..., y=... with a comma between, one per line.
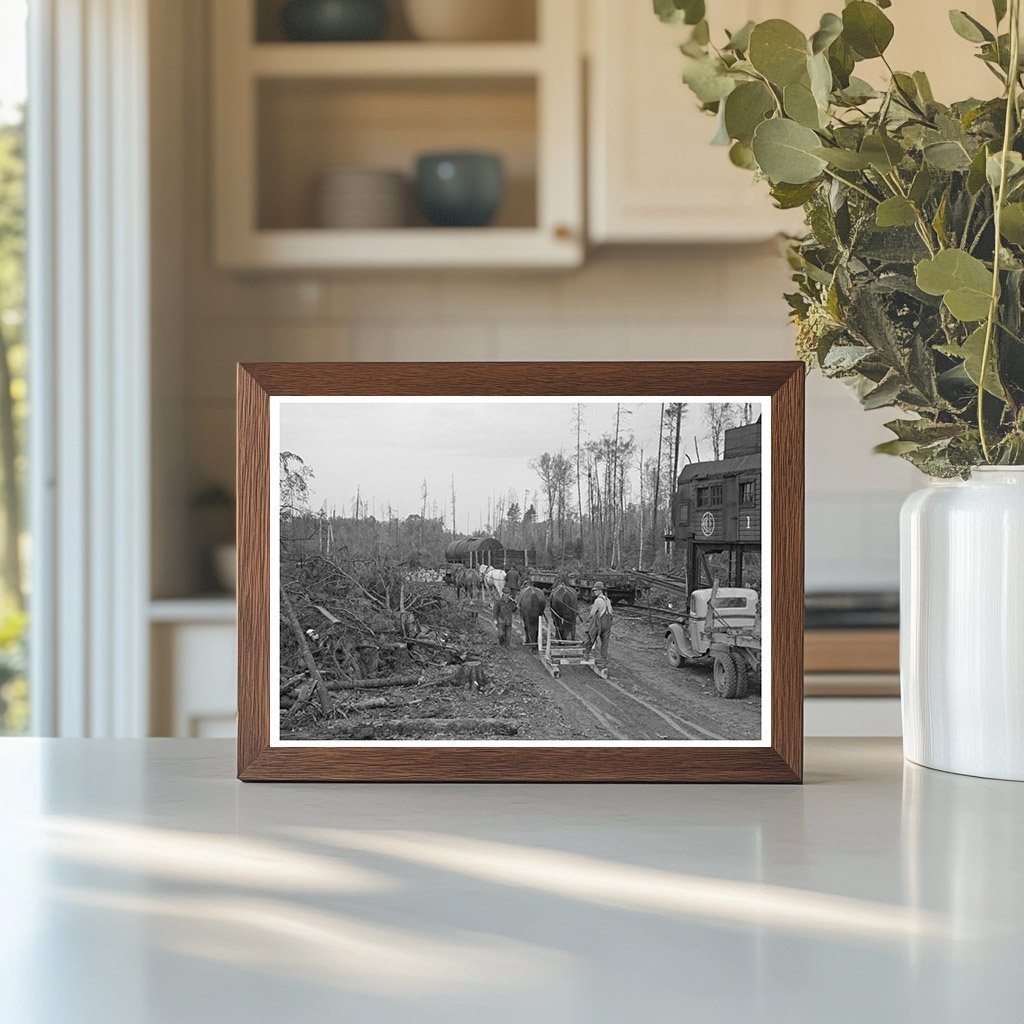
x=644, y=698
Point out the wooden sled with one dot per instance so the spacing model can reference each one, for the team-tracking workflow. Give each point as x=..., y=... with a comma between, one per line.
x=555, y=653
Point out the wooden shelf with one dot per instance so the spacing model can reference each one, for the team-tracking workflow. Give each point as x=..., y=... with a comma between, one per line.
x=284, y=113
x=393, y=60
x=852, y=650
x=401, y=247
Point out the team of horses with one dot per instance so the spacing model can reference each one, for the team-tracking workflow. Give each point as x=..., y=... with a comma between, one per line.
x=511, y=594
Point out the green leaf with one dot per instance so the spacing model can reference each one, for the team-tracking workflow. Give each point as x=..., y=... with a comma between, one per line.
x=971, y=352
x=885, y=394
x=866, y=29
x=841, y=60
x=829, y=30
x=963, y=281
x=896, y=447
x=883, y=153
x=800, y=105
x=844, y=159
x=858, y=91
x=999, y=7
x=1012, y=225
x=969, y=28
x=896, y=212
x=820, y=77
x=921, y=185
x=741, y=155
x=708, y=80
x=739, y=41
x=785, y=152
x=947, y=156
x=745, y=108
x=676, y=12
x=789, y=197
x=923, y=431
x=976, y=173
x=994, y=168
x=924, y=87
x=778, y=50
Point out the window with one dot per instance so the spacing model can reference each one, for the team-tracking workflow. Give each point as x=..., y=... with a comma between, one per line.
x=716, y=495
x=748, y=492
x=14, y=706
x=702, y=497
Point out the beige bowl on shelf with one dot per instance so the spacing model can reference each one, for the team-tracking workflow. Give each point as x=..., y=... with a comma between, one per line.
x=465, y=21
x=361, y=198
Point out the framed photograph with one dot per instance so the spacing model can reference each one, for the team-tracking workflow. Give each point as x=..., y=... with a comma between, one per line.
x=520, y=572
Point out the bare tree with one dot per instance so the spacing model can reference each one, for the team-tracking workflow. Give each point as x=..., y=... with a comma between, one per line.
x=718, y=418
x=454, y=530
x=579, y=487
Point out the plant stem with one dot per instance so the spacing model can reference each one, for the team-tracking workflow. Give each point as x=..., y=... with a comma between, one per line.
x=993, y=309
x=855, y=187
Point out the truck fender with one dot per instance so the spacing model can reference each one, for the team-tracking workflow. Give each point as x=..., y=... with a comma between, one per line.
x=678, y=632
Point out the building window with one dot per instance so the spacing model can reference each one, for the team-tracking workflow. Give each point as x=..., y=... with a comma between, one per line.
x=748, y=492
x=709, y=497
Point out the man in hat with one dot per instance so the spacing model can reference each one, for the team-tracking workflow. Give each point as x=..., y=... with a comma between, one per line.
x=599, y=625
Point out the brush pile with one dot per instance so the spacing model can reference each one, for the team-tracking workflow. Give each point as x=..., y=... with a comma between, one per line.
x=372, y=650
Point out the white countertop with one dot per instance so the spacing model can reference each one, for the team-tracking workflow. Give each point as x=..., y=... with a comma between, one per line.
x=143, y=885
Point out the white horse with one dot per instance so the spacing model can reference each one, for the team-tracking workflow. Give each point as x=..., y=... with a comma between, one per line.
x=493, y=579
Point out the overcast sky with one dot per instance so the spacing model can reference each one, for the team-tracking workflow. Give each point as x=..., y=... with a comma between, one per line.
x=387, y=449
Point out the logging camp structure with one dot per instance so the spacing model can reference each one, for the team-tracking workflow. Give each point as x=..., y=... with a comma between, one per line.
x=717, y=512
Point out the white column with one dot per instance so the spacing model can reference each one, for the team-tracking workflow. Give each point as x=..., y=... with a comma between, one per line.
x=88, y=320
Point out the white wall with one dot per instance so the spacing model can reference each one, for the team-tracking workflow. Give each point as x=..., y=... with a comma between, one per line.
x=655, y=303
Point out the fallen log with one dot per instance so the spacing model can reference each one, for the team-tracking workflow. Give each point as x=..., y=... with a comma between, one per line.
x=373, y=684
x=447, y=648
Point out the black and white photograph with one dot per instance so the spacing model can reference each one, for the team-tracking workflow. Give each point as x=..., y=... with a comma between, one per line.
x=548, y=570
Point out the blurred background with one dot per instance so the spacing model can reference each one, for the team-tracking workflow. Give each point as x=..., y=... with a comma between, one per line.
x=250, y=180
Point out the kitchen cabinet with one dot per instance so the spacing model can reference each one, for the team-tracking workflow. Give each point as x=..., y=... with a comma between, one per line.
x=653, y=175
x=287, y=113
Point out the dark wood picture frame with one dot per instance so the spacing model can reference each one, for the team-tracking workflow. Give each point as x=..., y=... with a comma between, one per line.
x=782, y=761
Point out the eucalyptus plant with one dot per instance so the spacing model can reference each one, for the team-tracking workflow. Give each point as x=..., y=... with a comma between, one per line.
x=909, y=280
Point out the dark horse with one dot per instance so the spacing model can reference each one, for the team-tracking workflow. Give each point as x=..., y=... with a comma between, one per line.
x=531, y=608
x=563, y=604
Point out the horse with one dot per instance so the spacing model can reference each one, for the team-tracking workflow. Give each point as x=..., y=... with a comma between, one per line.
x=563, y=604
x=468, y=580
x=493, y=579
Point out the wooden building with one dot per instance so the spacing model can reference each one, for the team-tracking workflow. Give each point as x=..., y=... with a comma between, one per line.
x=717, y=507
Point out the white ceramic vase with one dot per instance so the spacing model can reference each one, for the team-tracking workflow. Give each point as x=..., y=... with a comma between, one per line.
x=962, y=624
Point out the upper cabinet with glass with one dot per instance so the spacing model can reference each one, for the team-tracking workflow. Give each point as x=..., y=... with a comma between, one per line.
x=373, y=133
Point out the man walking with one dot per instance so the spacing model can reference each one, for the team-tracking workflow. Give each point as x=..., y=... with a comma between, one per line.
x=513, y=580
x=599, y=625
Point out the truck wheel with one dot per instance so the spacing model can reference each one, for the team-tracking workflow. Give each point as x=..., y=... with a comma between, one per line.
x=741, y=676
x=675, y=656
x=725, y=676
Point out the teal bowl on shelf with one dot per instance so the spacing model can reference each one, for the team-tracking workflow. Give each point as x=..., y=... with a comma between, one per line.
x=334, y=21
x=460, y=190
